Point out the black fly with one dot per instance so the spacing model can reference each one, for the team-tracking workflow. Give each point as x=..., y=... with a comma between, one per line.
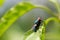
x=37, y=24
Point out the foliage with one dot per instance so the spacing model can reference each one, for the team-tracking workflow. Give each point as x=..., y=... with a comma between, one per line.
x=22, y=8
x=13, y=14
x=1, y=2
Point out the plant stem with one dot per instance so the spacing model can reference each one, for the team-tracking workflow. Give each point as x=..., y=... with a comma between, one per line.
x=55, y=2
x=51, y=19
x=47, y=10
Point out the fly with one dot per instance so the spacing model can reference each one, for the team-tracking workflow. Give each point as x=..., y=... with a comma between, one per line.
x=36, y=25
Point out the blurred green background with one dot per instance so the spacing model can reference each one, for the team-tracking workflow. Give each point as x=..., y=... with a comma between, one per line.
x=23, y=24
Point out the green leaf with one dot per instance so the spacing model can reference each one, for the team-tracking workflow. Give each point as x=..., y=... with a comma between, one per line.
x=1, y=2
x=13, y=14
x=27, y=34
x=39, y=35
x=42, y=36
